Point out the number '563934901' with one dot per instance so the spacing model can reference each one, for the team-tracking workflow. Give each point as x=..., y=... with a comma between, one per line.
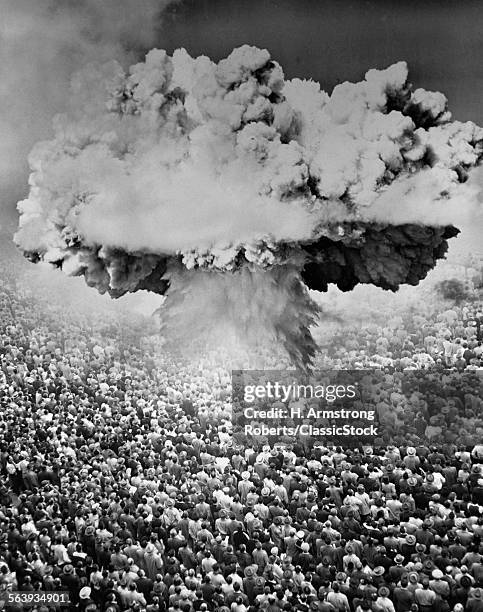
x=29, y=598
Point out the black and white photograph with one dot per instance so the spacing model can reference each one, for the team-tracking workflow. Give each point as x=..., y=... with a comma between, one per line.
x=241, y=305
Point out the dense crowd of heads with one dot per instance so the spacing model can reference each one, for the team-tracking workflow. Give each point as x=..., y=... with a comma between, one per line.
x=121, y=483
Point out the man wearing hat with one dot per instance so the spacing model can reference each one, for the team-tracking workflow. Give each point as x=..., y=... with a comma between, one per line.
x=223, y=522
x=408, y=546
x=411, y=461
x=440, y=586
x=383, y=602
x=475, y=601
x=249, y=583
x=86, y=603
x=70, y=582
x=304, y=558
x=413, y=581
x=261, y=467
x=152, y=561
x=378, y=576
x=350, y=557
x=464, y=587
x=396, y=571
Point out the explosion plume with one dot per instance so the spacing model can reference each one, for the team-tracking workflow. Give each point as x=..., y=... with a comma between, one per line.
x=233, y=191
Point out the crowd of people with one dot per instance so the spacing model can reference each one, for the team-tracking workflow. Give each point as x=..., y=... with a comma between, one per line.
x=441, y=339
x=121, y=483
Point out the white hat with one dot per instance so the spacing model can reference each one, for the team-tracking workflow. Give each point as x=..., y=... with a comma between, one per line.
x=85, y=592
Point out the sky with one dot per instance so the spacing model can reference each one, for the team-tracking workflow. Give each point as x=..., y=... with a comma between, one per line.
x=337, y=40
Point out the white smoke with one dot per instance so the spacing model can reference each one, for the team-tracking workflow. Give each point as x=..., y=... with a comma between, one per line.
x=247, y=310
x=181, y=154
x=42, y=43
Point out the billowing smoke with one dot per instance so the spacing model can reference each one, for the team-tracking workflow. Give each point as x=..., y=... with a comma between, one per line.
x=42, y=43
x=233, y=191
x=244, y=311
